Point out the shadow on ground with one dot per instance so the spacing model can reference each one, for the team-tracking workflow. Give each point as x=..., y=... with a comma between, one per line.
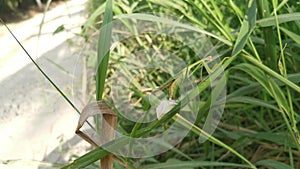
x=35, y=119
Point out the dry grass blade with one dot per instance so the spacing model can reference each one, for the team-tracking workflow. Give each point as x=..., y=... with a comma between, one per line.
x=92, y=109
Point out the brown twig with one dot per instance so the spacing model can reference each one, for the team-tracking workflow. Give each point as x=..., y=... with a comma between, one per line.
x=109, y=123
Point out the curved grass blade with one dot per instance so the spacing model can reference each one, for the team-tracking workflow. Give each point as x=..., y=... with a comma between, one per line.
x=103, y=50
x=283, y=18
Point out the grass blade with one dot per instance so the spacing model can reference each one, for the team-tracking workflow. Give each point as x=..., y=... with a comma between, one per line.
x=103, y=50
x=41, y=70
x=275, y=91
x=292, y=35
x=177, y=164
x=274, y=164
x=246, y=29
x=273, y=73
x=283, y=18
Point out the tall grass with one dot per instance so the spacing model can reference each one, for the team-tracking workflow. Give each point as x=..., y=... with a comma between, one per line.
x=259, y=48
x=262, y=105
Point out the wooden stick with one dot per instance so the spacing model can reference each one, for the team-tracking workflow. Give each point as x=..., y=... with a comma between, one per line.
x=109, y=124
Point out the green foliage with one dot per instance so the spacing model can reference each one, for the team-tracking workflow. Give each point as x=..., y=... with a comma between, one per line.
x=103, y=50
x=258, y=43
x=261, y=65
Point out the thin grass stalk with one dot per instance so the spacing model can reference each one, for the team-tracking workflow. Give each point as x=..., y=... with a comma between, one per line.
x=218, y=23
x=254, y=50
x=42, y=23
x=283, y=109
x=41, y=70
x=271, y=72
x=291, y=157
x=214, y=21
x=211, y=138
x=283, y=71
x=236, y=10
x=284, y=112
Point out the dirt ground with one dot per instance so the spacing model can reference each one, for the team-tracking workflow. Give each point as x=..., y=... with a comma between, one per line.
x=36, y=124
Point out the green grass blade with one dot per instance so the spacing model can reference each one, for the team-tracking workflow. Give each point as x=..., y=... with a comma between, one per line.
x=253, y=87
x=279, y=138
x=283, y=18
x=274, y=164
x=272, y=73
x=246, y=29
x=235, y=9
x=212, y=139
x=96, y=154
x=103, y=50
x=43, y=19
x=292, y=35
x=252, y=101
x=283, y=70
x=212, y=17
x=275, y=91
x=177, y=164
